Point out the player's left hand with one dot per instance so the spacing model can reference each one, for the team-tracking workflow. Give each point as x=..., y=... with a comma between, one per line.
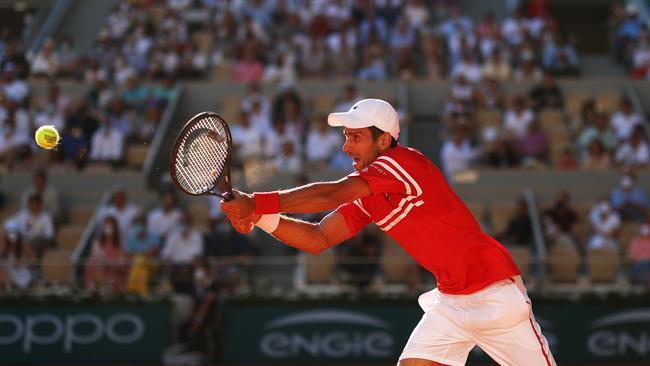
x=241, y=207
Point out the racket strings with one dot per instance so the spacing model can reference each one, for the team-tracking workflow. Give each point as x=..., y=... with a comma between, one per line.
x=203, y=154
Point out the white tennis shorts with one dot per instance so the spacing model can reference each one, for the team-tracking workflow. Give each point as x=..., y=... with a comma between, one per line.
x=499, y=319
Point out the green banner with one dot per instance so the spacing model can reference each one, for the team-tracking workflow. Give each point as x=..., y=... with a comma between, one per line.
x=83, y=332
x=317, y=331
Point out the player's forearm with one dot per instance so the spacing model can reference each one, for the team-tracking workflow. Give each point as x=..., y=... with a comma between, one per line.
x=301, y=235
x=315, y=197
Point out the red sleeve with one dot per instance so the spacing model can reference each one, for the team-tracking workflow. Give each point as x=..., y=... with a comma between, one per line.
x=354, y=217
x=385, y=175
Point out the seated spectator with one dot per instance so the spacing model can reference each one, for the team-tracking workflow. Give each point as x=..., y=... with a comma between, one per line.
x=630, y=199
x=48, y=194
x=277, y=138
x=596, y=158
x=322, y=142
x=16, y=260
x=16, y=89
x=503, y=155
x=288, y=159
x=248, y=68
x=119, y=119
x=625, y=120
x=46, y=61
x=558, y=56
x=587, y=116
x=137, y=94
x=373, y=67
x=184, y=245
x=496, y=67
x=561, y=221
x=14, y=145
x=457, y=153
x=143, y=246
x=163, y=219
x=35, y=224
x=246, y=139
x=122, y=210
x=528, y=71
x=634, y=153
x=490, y=96
x=259, y=113
x=547, y=94
x=639, y=255
x=605, y=223
x=534, y=144
x=462, y=97
x=602, y=131
x=519, y=231
x=107, y=263
x=107, y=144
x=74, y=146
x=469, y=68
x=147, y=125
x=567, y=160
x=517, y=119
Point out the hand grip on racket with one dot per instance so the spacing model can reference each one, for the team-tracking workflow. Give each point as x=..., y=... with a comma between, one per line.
x=200, y=160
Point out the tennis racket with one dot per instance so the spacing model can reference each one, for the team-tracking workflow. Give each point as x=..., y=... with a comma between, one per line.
x=200, y=160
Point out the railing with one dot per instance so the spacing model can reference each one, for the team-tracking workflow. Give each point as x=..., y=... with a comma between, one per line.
x=55, y=18
x=162, y=132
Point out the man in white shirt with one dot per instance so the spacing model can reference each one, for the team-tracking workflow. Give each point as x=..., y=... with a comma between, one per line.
x=517, y=119
x=107, y=143
x=246, y=139
x=634, y=152
x=469, y=68
x=322, y=142
x=15, y=89
x=624, y=120
x=457, y=154
x=123, y=212
x=161, y=220
x=606, y=223
x=36, y=224
x=48, y=193
x=184, y=243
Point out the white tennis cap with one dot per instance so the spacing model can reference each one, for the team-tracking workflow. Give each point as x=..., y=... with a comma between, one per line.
x=366, y=113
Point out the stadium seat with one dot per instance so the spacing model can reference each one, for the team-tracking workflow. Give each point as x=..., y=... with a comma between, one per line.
x=500, y=214
x=80, y=214
x=136, y=154
x=203, y=41
x=607, y=102
x=56, y=266
x=68, y=236
x=199, y=212
x=323, y=104
x=603, y=265
x=229, y=108
x=563, y=264
x=398, y=269
x=573, y=103
x=627, y=232
x=315, y=274
x=222, y=72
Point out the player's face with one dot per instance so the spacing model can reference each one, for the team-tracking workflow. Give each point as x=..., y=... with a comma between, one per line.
x=360, y=146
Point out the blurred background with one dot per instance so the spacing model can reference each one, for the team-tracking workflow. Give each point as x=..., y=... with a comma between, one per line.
x=536, y=110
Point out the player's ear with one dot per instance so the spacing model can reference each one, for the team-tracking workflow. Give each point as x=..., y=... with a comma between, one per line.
x=384, y=140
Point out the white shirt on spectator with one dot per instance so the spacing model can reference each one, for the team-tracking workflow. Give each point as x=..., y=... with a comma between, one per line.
x=16, y=90
x=605, y=222
x=161, y=223
x=320, y=147
x=183, y=249
x=518, y=123
x=623, y=125
x=106, y=145
x=457, y=158
x=124, y=217
x=471, y=71
x=12, y=139
x=32, y=227
x=248, y=140
x=274, y=142
x=512, y=30
x=628, y=155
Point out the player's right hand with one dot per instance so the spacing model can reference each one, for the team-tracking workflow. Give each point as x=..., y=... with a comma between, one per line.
x=244, y=226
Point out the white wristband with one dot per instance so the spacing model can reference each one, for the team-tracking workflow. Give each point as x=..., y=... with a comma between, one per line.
x=268, y=222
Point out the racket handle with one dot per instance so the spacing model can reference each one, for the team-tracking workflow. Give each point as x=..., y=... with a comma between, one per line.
x=228, y=196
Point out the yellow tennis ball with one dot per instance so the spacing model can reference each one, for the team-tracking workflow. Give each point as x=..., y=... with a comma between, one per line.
x=47, y=137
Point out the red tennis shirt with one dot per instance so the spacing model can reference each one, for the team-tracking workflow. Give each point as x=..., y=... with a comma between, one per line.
x=412, y=202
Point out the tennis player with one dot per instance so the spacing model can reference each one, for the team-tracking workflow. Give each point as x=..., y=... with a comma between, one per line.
x=480, y=298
